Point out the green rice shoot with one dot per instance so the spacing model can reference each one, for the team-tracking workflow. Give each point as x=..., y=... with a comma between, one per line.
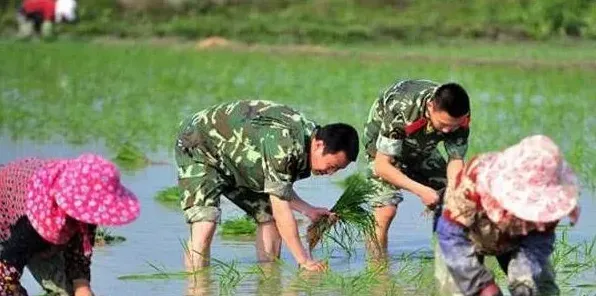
x=354, y=219
x=169, y=195
x=239, y=226
x=105, y=237
x=130, y=157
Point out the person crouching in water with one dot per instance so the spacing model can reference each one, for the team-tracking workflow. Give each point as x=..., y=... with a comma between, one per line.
x=50, y=211
x=506, y=204
x=39, y=16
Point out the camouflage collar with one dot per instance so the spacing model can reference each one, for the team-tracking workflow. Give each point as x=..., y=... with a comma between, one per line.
x=425, y=114
x=305, y=169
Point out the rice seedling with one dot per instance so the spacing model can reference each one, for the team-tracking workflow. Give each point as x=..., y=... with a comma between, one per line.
x=155, y=276
x=353, y=220
x=571, y=260
x=130, y=157
x=345, y=283
x=169, y=196
x=239, y=226
x=228, y=275
x=105, y=237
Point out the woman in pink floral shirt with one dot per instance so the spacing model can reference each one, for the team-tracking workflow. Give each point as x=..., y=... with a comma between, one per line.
x=51, y=206
x=506, y=204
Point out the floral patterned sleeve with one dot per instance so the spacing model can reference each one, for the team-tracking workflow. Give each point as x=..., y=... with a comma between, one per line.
x=78, y=266
x=22, y=243
x=10, y=279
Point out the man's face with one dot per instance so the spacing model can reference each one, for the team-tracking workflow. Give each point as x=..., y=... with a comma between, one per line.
x=326, y=164
x=442, y=121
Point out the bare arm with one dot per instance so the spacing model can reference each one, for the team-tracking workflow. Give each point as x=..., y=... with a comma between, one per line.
x=386, y=171
x=288, y=228
x=298, y=204
x=313, y=213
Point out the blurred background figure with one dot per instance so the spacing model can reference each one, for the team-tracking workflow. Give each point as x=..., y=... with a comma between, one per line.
x=39, y=16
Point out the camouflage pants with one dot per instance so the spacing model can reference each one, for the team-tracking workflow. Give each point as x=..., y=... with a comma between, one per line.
x=202, y=184
x=430, y=171
x=50, y=273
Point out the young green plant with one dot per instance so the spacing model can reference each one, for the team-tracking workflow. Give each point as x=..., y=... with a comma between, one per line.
x=353, y=220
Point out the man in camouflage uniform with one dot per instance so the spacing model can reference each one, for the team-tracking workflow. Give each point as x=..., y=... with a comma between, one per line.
x=404, y=126
x=252, y=152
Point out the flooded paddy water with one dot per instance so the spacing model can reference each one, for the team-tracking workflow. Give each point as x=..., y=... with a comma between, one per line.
x=81, y=98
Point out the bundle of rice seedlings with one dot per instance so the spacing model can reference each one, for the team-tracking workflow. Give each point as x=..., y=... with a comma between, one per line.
x=353, y=221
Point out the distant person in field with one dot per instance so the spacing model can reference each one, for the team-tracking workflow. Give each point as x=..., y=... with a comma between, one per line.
x=505, y=204
x=39, y=16
x=404, y=127
x=252, y=152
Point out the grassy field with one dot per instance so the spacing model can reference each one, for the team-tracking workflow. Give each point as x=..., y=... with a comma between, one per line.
x=127, y=93
x=325, y=21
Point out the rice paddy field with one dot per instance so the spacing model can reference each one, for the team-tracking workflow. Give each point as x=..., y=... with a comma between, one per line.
x=125, y=100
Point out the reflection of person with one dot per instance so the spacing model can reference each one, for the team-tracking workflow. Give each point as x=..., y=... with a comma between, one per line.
x=252, y=152
x=404, y=127
x=38, y=16
x=50, y=210
x=506, y=204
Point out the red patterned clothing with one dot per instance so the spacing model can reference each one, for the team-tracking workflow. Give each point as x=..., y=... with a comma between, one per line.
x=19, y=241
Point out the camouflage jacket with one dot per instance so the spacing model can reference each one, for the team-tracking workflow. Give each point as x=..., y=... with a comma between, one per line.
x=398, y=125
x=258, y=145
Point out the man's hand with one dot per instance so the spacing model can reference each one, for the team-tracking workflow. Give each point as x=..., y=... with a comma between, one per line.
x=428, y=196
x=313, y=265
x=315, y=213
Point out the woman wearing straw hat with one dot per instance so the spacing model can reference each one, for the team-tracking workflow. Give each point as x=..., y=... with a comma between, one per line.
x=52, y=207
x=506, y=204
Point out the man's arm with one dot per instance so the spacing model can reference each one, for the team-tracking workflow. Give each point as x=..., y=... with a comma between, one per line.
x=389, y=144
x=304, y=208
x=456, y=146
x=288, y=229
x=388, y=172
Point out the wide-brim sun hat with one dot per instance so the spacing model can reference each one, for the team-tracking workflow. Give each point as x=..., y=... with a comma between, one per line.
x=530, y=180
x=86, y=189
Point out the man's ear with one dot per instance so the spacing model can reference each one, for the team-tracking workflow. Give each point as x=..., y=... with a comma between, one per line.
x=430, y=105
x=318, y=145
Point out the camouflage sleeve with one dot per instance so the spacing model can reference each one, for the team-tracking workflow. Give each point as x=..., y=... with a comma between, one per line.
x=456, y=144
x=280, y=162
x=392, y=133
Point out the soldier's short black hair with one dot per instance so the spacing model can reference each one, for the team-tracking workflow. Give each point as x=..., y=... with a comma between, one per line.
x=453, y=99
x=339, y=137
